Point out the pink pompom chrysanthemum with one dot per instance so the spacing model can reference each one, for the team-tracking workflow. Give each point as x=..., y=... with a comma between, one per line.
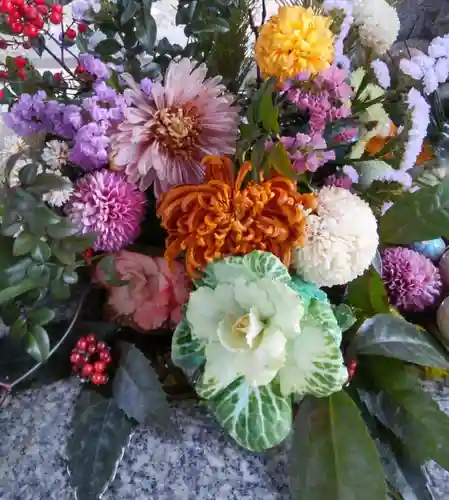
x=413, y=282
x=170, y=129
x=108, y=204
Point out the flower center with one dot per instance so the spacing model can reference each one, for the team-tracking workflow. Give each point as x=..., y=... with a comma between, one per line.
x=177, y=130
x=244, y=334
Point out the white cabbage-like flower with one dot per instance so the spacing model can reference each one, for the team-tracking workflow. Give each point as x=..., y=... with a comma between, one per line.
x=378, y=24
x=378, y=170
x=341, y=239
x=258, y=336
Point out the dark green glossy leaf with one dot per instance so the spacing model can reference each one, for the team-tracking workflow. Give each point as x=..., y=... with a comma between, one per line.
x=60, y=290
x=418, y=216
x=279, y=160
x=46, y=182
x=109, y=46
x=19, y=328
x=79, y=243
x=28, y=174
x=146, y=29
x=368, y=294
x=129, y=9
x=11, y=229
x=62, y=230
x=333, y=455
x=24, y=243
x=41, y=252
x=397, y=399
x=38, y=343
x=67, y=257
x=36, y=271
x=137, y=389
x=23, y=201
x=38, y=44
x=40, y=316
x=15, y=273
x=41, y=217
x=101, y=433
x=258, y=154
x=394, y=337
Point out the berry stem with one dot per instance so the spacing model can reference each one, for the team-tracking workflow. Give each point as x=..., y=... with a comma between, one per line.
x=62, y=63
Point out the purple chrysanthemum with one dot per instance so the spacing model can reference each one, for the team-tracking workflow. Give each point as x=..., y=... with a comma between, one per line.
x=106, y=203
x=412, y=281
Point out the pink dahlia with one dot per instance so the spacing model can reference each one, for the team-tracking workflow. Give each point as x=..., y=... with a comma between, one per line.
x=412, y=281
x=108, y=204
x=170, y=128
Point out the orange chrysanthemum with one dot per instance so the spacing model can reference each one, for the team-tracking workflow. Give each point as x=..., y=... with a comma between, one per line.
x=376, y=144
x=222, y=217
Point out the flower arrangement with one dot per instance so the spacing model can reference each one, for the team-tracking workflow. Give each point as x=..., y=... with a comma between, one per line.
x=260, y=218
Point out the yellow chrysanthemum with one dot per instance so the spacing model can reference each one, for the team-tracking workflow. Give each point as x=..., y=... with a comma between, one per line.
x=295, y=40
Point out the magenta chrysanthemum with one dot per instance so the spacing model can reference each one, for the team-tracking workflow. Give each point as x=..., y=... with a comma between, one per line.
x=167, y=132
x=107, y=203
x=412, y=281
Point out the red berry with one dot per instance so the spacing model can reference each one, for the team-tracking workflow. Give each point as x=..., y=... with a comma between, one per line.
x=100, y=366
x=101, y=345
x=3, y=75
x=13, y=16
x=39, y=2
x=82, y=28
x=70, y=33
x=26, y=45
x=75, y=358
x=38, y=22
x=43, y=9
x=22, y=74
x=30, y=12
x=56, y=7
x=82, y=344
x=91, y=337
x=55, y=18
x=105, y=356
x=18, y=2
x=87, y=370
x=17, y=27
x=3, y=44
x=91, y=348
x=99, y=379
x=7, y=7
x=57, y=77
x=20, y=61
x=1, y=95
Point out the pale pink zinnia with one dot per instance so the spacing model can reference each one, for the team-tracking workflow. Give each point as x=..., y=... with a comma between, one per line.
x=154, y=295
x=168, y=131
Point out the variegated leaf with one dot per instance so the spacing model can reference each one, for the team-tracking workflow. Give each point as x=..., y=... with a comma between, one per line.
x=187, y=352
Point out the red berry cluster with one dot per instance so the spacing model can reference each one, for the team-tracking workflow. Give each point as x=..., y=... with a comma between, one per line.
x=28, y=17
x=90, y=359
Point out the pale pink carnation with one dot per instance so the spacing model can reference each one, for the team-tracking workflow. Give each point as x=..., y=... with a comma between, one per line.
x=167, y=133
x=154, y=295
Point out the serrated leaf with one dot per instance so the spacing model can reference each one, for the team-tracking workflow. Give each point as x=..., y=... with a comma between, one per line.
x=146, y=29
x=38, y=343
x=280, y=161
x=101, y=433
x=397, y=399
x=24, y=243
x=418, y=216
x=138, y=391
x=394, y=337
x=41, y=252
x=40, y=316
x=332, y=454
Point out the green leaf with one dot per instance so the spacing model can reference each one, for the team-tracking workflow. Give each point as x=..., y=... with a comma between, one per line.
x=60, y=290
x=40, y=316
x=258, y=155
x=41, y=217
x=67, y=257
x=70, y=276
x=368, y=294
x=399, y=402
x=19, y=328
x=79, y=243
x=138, y=391
x=418, y=216
x=24, y=243
x=107, y=266
x=258, y=418
x=216, y=25
x=38, y=343
x=268, y=113
x=332, y=455
x=62, y=230
x=11, y=229
x=110, y=46
x=129, y=9
x=345, y=316
x=146, y=29
x=47, y=182
x=280, y=161
x=14, y=291
x=28, y=174
x=101, y=433
x=393, y=337
x=187, y=352
x=41, y=252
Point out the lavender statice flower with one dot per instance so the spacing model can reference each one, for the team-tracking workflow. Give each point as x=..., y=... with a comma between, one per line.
x=90, y=150
x=412, y=280
x=419, y=111
x=94, y=66
x=106, y=203
x=27, y=115
x=382, y=73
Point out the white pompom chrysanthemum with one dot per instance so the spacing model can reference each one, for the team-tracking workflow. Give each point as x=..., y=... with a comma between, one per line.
x=341, y=242
x=377, y=22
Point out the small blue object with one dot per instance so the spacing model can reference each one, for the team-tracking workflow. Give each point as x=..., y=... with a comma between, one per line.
x=432, y=249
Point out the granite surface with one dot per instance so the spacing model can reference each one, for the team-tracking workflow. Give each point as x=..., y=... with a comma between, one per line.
x=204, y=465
